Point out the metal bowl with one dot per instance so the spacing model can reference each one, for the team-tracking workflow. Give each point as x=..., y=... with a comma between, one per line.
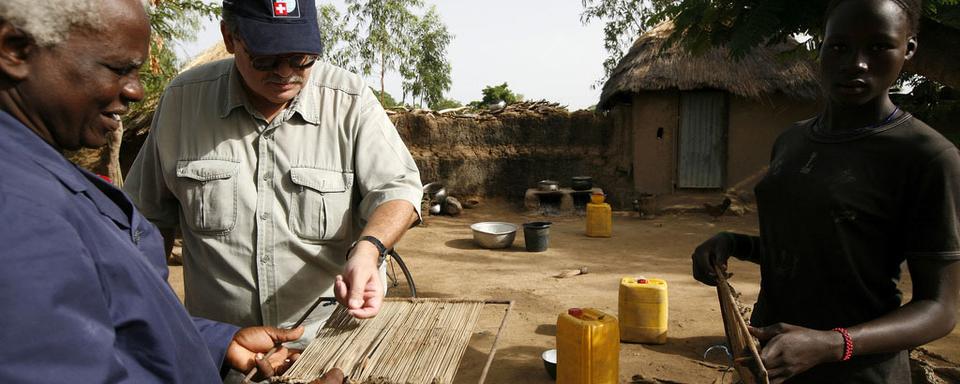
x=435, y=193
x=549, y=358
x=548, y=185
x=493, y=235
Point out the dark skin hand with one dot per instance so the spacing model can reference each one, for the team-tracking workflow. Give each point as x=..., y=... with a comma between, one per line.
x=789, y=349
x=713, y=252
x=249, y=345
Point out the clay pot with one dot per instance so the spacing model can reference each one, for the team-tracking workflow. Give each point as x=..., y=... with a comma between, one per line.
x=581, y=183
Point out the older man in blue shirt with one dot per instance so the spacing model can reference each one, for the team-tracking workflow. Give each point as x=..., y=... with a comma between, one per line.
x=83, y=284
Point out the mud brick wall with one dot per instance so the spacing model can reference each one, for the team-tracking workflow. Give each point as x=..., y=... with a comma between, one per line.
x=489, y=155
x=501, y=155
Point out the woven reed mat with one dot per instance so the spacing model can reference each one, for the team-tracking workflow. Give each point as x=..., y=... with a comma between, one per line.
x=409, y=341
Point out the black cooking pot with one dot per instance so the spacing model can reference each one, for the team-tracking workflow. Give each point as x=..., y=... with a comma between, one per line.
x=581, y=183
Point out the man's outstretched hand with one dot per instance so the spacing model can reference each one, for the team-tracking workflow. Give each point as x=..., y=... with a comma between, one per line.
x=359, y=288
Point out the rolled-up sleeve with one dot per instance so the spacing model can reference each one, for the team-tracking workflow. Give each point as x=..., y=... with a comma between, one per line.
x=384, y=168
x=145, y=181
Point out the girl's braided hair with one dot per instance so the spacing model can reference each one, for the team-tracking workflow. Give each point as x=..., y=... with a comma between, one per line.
x=912, y=8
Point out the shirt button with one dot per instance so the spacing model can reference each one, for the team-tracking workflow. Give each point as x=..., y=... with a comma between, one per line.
x=264, y=216
x=265, y=260
x=136, y=237
x=266, y=177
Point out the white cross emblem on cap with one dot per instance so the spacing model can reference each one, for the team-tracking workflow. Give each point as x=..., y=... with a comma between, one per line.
x=283, y=8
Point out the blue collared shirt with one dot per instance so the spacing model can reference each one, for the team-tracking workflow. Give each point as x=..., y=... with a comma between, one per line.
x=83, y=280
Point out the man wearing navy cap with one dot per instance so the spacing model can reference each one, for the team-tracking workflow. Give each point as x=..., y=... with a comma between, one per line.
x=284, y=174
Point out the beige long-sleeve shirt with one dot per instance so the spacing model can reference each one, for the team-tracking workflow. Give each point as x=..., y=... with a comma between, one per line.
x=267, y=210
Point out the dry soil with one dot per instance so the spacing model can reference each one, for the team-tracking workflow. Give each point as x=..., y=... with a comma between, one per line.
x=446, y=263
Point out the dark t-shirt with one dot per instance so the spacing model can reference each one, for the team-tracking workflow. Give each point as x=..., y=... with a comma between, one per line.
x=838, y=217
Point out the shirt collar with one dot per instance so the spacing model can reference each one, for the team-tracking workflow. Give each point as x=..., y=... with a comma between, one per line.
x=304, y=104
x=234, y=94
x=42, y=153
x=307, y=101
x=74, y=178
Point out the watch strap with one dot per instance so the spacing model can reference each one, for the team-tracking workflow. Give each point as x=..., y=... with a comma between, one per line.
x=381, y=249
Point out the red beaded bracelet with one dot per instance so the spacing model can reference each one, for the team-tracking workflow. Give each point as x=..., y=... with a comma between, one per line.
x=847, y=343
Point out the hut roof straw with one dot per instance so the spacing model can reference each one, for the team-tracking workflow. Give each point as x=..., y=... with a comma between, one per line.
x=216, y=52
x=648, y=66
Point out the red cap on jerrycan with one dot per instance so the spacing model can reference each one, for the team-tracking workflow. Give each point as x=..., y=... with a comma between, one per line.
x=575, y=312
x=641, y=281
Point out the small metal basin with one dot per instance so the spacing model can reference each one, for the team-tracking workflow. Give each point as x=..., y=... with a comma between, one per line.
x=493, y=234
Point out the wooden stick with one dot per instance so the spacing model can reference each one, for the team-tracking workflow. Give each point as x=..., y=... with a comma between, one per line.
x=746, y=357
x=496, y=340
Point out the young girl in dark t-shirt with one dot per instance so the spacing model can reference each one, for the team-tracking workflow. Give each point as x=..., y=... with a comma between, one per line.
x=850, y=195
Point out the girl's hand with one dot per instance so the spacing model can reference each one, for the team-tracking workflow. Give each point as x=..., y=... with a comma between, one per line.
x=713, y=252
x=789, y=350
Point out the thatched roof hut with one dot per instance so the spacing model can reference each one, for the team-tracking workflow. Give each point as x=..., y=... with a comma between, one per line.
x=704, y=121
x=216, y=52
x=651, y=66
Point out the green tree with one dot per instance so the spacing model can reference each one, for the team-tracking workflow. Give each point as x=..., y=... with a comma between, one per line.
x=426, y=70
x=741, y=25
x=339, y=40
x=385, y=99
x=172, y=21
x=496, y=93
x=384, y=30
x=445, y=104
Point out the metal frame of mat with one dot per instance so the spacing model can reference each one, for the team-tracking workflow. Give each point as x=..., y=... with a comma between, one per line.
x=375, y=338
x=746, y=357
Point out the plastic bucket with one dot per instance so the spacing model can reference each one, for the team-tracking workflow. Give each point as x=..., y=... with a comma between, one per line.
x=536, y=235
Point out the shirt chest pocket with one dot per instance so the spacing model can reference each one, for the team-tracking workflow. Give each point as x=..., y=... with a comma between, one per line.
x=320, y=203
x=208, y=194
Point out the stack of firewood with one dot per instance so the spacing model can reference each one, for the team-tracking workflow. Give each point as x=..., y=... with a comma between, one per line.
x=522, y=107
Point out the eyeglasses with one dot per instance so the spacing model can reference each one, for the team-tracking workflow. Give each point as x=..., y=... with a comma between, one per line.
x=270, y=63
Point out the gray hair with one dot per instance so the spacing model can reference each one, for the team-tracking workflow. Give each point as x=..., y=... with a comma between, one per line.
x=49, y=22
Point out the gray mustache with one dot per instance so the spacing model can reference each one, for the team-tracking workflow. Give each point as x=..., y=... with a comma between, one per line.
x=289, y=80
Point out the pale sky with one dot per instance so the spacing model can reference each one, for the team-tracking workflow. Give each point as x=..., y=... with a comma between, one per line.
x=539, y=47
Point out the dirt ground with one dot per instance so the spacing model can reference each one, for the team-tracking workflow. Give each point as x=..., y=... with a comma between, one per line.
x=446, y=263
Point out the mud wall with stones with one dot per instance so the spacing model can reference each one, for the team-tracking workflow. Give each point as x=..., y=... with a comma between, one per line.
x=489, y=154
x=501, y=155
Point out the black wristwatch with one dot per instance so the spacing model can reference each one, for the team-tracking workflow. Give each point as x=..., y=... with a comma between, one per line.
x=381, y=249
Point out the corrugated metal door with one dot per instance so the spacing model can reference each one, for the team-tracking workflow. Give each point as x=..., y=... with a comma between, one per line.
x=702, y=139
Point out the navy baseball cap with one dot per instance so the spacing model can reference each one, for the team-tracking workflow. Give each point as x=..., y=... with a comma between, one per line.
x=274, y=27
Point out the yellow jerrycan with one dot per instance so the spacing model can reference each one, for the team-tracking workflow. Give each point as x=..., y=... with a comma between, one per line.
x=599, y=217
x=588, y=347
x=643, y=310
